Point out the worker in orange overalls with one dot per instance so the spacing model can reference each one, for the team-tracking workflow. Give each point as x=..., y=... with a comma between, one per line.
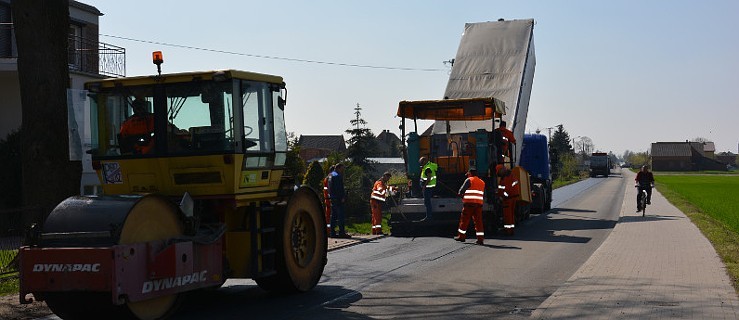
x=137, y=132
x=507, y=139
x=472, y=193
x=327, y=200
x=508, y=190
x=380, y=192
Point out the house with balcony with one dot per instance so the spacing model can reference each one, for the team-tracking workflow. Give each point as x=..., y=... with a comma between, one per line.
x=88, y=59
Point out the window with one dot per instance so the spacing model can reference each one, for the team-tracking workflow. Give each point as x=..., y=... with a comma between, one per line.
x=74, y=46
x=202, y=117
x=193, y=118
x=6, y=32
x=256, y=100
x=279, y=129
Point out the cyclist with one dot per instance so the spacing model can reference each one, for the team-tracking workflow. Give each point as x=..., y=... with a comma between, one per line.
x=644, y=181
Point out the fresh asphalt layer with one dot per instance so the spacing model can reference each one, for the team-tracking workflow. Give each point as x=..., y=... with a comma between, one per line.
x=657, y=266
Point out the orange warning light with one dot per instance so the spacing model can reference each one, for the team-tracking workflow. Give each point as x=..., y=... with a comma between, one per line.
x=157, y=57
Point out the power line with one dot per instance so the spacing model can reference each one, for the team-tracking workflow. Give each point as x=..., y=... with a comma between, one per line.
x=272, y=57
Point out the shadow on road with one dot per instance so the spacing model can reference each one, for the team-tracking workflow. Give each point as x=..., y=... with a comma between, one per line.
x=647, y=218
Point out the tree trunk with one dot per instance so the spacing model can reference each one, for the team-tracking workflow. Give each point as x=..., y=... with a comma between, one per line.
x=41, y=31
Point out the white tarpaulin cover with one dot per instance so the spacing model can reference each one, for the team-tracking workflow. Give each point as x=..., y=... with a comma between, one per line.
x=494, y=59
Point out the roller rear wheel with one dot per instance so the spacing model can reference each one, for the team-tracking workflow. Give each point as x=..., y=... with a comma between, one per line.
x=301, y=245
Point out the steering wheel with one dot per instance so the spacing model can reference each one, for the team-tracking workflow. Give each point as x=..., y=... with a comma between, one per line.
x=248, y=130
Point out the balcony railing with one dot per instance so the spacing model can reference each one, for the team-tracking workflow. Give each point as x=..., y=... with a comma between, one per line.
x=88, y=56
x=84, y=55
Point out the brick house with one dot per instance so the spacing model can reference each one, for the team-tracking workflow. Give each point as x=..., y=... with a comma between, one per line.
x=316, y=147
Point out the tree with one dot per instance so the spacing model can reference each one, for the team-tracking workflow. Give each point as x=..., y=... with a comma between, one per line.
x=638, y=159
x=559, y=149
x=361, y=142
x=10, y=171
x=314, y=176
x=49, y=176
x=584, y=145
x=568, y=167
x=613, y=157
x=627, y=155
x=394, y=149
x=561, y=141
x=295, y=165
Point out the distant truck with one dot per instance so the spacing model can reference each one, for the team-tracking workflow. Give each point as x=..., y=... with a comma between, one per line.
x=535, y=159
x=600, y=164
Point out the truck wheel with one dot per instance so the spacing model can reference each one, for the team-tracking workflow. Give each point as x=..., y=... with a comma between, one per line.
x=301, y=245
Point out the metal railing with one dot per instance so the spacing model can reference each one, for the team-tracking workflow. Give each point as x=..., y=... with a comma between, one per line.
x=94, y=57
x=84, y=54
x=12, y=235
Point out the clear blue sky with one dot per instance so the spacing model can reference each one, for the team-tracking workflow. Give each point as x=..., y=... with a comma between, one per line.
x=624, y=73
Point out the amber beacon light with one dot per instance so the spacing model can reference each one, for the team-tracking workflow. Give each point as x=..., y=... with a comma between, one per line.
x=158, y=59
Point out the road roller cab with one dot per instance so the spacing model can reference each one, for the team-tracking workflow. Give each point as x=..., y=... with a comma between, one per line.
x=191, y=166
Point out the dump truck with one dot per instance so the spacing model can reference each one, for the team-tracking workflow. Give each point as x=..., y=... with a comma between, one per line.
x=494, y=61
x=535, y=159
x=207, y=199
x=600, y=164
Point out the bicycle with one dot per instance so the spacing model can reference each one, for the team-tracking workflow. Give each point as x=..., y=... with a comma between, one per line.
x=641, y=199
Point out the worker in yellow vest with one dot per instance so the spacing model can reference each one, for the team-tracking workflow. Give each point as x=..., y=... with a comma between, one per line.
x=472, y=193
x=428, y=183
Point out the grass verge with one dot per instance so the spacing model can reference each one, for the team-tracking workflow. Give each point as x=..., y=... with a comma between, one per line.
x=724, y=240
x=8, y=281
x=9, y=284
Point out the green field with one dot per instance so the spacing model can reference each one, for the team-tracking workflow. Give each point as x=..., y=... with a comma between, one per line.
x=715, y=195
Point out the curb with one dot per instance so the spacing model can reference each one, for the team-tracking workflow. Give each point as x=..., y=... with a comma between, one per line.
x=339, y=243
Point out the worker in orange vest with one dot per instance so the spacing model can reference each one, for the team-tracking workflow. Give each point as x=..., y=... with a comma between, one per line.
x=472, y=193
x=327, y=200
x=506, y=140
x=380, y=192
x=137, y=132
x=509, y=191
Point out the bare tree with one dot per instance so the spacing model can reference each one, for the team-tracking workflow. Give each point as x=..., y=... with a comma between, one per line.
x=584, y=145
x=41, y=28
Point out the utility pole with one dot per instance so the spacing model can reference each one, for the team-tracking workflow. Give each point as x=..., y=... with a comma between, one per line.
x=550, y=132
x=357, y=113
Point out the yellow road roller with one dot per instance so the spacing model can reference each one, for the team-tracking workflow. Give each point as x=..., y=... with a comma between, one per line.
x=194, y=192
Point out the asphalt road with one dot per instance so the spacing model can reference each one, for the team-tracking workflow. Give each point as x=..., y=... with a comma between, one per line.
x=438, y=278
